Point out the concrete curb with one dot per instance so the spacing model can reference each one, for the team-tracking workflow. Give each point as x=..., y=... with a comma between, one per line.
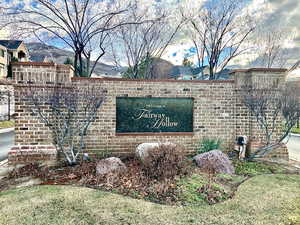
x=295, y=135
x=6, y=130
x=3, y=163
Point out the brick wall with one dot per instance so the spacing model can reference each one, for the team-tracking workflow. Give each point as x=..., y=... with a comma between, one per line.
x=213, y=114
x=218, y=111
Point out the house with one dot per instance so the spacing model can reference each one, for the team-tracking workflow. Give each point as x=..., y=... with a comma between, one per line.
x=182, y=73
x=199, y=73
x=16, y=49
x=3, y=62
x=11, y=50
x=221, y=75
x=189, y=73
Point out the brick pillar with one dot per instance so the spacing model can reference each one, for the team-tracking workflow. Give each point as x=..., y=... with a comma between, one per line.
x=246, y=123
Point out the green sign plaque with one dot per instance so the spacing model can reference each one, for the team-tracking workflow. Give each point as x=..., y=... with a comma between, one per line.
x=154, y=115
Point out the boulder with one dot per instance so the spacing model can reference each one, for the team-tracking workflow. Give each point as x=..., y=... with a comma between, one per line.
x=214, y=161
x=110, y=165
x=143, y=150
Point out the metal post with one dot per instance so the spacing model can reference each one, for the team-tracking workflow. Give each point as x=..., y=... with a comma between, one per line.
x=8, y=95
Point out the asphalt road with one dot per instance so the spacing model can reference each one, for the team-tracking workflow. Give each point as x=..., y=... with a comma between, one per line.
x=294, y=147
x=7, y=140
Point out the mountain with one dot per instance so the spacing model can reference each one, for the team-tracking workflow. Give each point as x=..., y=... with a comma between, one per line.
x=40, y=52
x=162, y=69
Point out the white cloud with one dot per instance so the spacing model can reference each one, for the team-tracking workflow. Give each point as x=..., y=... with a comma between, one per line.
x=4, y=34
x=177, y=52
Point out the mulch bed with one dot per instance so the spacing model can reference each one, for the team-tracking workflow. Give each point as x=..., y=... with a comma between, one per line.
x=134, y=182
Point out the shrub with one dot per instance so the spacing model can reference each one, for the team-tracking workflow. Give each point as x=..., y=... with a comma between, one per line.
x=256, y=168
x=165, y=162
x=207, y=145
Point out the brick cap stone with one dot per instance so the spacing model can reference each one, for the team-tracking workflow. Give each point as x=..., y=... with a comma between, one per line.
x=274, y=70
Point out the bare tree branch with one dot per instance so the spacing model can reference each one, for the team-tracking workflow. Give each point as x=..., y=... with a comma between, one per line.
x=79, y=25
x=68, y=111
x=219, y=29
x=142, y=44
x=270, y=107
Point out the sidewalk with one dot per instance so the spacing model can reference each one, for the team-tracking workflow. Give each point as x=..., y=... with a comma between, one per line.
x=294, y=163
x=6, y=142
x=6, y=130
x=293, y=145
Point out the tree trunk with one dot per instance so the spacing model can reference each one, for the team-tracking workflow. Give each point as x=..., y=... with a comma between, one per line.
x=75, y=65
x=80, y=65
x=88, y=64
x=211, y=73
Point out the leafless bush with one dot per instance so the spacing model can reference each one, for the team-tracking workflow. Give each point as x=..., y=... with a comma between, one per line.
x=67, y=111
x=273, y=108
x=165, y=162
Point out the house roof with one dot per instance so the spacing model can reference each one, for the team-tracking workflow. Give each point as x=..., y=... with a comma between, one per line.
x=198, y=70
x=222, y=75
x=11, y=44
x=2, y=47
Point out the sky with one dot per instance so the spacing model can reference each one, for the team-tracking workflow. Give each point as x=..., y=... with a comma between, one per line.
x=278, y=14
x=283, y=14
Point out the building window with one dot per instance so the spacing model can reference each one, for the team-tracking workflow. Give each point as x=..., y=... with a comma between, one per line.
x=21, y=55
x=2, y=53
x=1, y=69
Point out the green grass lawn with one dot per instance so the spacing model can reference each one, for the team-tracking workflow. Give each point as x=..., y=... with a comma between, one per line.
x=7, y=124
x=296, y=130
x=264, y=199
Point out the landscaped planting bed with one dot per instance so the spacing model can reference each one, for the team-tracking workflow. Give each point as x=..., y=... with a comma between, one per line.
x=192, y=187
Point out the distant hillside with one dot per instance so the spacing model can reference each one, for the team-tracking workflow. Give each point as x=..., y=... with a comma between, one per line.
x=163, y=69
x=38, y=52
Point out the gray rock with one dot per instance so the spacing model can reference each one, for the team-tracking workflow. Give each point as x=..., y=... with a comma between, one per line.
x=110, y=165
x=143, y=150
x=214, y=161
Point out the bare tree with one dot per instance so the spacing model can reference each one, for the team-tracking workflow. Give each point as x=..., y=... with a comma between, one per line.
x=82, y=25
x=270, y=47
x=271, y=107
x=139, y=45
x=68, y=111
x=218, y=32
